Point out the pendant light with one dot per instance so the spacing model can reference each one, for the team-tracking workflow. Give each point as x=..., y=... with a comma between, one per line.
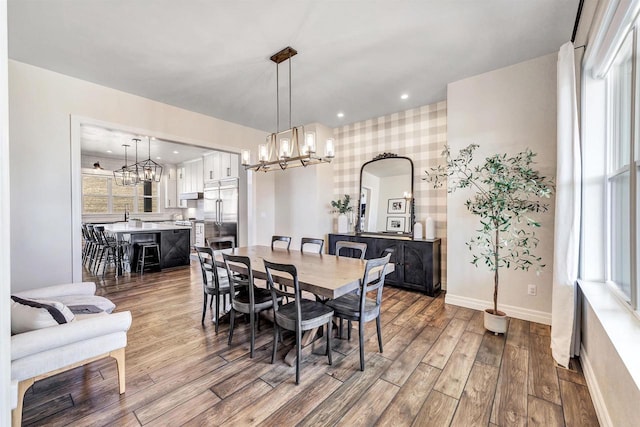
x=148, y=170
x=127, y=174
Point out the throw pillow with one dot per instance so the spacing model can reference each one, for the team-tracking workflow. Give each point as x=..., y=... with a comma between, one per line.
x=28, y=315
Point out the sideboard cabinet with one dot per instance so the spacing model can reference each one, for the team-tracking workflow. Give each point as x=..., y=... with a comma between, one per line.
x=417, y=262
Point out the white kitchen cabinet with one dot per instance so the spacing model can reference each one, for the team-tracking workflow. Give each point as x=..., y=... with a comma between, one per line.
x=197, y=180
x=170, y=182
x=220, y=165
x=181, y=184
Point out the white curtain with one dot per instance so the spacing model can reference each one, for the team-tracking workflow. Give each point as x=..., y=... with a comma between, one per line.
x=567, y=208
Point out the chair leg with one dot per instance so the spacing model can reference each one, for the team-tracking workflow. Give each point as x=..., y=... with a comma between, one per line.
x=252, y=324
x=329, y=333
x=349, y=330
x=340, y=328
x=379, y=332
x=16, y=414
x=361, y=335
x=204, y=307
x=276, y=337
x=217, y=310
x=232, y=318
x=119, y=356
x=298, y=354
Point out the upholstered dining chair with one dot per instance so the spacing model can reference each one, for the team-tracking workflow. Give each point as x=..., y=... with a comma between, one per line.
x=316, y=244
x=214, y=284
x=285, y=239
x=359, y=308
x=350, y=247
x=245, y=296
x=298, y=315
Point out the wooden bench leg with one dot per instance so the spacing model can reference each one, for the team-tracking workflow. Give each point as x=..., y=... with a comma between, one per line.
x=119, y=356
x=16, y=414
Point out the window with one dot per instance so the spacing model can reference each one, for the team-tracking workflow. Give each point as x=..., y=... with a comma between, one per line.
x=621, y=182
x=101, y=195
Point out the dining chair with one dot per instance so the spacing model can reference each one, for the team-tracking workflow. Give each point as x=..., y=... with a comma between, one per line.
x=359, y=308
x=245, y=296
x=216, y=287
x=285, y=239
x=351, y=246
x=315, y=244
x=298, y=315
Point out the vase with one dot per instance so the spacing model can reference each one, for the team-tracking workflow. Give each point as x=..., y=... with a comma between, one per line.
x=496, y=323
x=343, y=223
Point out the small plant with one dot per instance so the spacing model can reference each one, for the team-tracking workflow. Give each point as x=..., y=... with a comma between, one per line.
x=342, y=206
x=507, y=190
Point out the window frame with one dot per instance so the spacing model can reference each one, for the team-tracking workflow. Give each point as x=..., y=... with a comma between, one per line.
x=138, y=194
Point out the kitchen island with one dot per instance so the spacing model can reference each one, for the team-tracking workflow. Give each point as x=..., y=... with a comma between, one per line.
x=174, y=240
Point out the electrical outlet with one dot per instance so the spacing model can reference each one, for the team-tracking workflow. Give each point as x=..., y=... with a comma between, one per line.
x=532, y=290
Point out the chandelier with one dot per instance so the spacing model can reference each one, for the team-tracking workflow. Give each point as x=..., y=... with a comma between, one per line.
x=284, y=149
x=127, y=175
x=148, y=170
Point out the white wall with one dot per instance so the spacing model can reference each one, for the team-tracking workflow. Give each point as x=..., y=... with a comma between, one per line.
x=392, y=187
x=5, y=250
x=41, y=102
x=303, y=197
x=505, y=110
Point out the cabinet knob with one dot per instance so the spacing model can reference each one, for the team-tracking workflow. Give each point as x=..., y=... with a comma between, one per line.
x=228, y=171
x=210, y=174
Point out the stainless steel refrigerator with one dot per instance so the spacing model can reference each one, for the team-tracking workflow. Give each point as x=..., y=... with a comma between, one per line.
x=221, y=209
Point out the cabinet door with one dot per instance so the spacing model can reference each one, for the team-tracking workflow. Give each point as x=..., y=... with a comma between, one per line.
x=170, y=192
x=197, y=180
x=414, y=265
x=380, y=248
x=181, y=184
x=208, y=166
x=217, y=170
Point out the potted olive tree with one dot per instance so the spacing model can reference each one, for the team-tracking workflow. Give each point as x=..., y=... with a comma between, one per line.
x=506, y=190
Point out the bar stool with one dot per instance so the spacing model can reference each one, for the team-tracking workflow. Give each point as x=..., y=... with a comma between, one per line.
x=149, y=256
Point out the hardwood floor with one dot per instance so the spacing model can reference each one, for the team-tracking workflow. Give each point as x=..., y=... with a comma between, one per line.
x=439, y=368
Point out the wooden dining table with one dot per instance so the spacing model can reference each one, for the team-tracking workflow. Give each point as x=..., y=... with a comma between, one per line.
x=327, y=276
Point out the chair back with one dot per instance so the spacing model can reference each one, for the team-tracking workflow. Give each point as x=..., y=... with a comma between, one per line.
x=207, y=263
x=91, y=233
x=291, y=281
x=343, y=244
x=285, y=239
x=311, y=241
x=374, y=282
x=239, y=281
x=100, y=237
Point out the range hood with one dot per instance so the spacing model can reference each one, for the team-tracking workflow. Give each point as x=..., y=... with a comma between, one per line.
x=191, y=196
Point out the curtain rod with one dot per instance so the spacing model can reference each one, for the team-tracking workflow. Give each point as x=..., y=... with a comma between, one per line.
x=577, y=21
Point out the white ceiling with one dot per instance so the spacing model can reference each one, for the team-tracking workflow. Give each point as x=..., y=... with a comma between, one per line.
x=355, y=57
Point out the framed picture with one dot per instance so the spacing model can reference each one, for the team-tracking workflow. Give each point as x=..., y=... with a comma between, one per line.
x=397, y=206
x=395, y=223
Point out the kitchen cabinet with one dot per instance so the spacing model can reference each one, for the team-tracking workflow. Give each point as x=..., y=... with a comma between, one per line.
x=170, y=187
x=220, y=165
x=416, y=262
x=189, y=179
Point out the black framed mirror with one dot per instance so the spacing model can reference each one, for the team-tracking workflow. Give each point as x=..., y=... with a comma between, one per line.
x=386, y=196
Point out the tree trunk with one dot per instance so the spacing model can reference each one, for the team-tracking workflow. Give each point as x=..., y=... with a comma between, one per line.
x=495, y=275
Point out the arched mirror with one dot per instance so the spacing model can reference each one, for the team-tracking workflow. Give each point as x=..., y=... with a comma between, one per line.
x=386, y=191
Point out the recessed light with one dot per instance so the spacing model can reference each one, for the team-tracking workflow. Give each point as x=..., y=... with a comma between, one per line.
x=176, y=152
x=158, y=158
x=404, y=96
x=341, y=115
x=153, y=138
x=109, y=151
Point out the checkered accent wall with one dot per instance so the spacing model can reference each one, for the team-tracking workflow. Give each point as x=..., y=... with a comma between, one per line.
x=419, y=134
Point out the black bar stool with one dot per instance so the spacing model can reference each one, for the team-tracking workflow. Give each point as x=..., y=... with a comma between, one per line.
x=149, y=256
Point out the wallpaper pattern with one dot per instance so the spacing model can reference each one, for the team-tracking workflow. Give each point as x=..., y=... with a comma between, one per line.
x=421, y=135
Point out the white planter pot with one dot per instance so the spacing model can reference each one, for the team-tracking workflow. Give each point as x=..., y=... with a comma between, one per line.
x=495, y=323
x=343, y=223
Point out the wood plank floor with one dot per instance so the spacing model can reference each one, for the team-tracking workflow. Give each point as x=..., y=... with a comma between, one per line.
x=439, y=368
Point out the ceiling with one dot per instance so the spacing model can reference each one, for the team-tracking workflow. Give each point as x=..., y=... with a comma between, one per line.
x=356, y=57
x=101, y=142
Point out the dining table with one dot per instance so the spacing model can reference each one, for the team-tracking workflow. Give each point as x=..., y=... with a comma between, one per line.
x=324, y=275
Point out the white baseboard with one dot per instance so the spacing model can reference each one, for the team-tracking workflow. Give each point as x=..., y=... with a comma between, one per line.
x=594, y=390
x=512, y=311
